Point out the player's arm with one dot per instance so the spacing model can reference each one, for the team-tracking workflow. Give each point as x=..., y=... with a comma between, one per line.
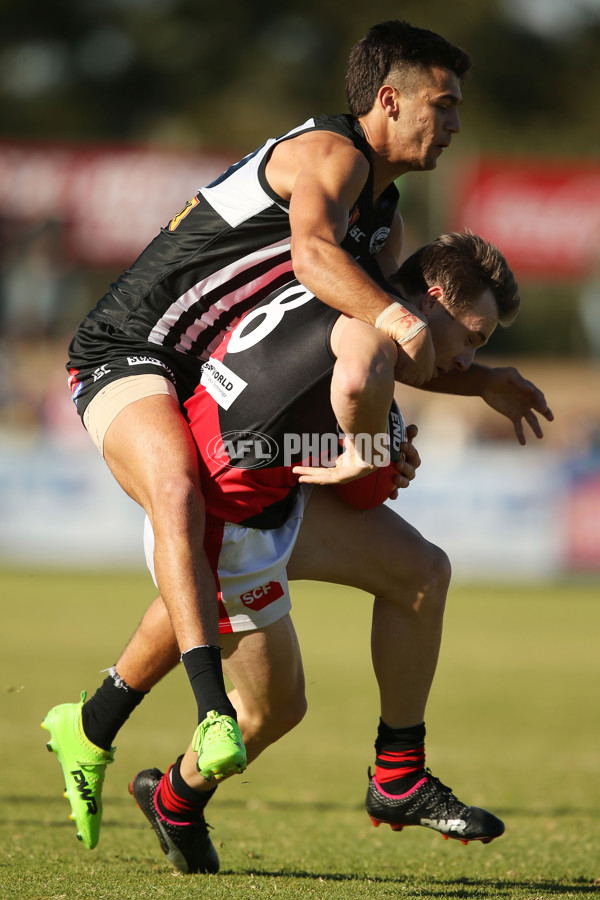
x=322, y=174
x=504, y=389
x=362, y=390
x=362, y=384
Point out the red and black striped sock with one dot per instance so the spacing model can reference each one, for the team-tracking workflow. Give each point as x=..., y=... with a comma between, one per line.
x=176, y=800
x=400, y=761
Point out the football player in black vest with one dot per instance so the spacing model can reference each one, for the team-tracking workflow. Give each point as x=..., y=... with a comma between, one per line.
x=318, y=204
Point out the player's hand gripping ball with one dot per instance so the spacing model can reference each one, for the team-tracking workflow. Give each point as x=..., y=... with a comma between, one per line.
x=374, y=489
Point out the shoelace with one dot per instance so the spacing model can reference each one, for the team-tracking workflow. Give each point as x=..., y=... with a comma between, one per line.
x=214, y=731
x=447, y=801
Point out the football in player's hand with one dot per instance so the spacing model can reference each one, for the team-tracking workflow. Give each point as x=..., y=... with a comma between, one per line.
x=374, y=489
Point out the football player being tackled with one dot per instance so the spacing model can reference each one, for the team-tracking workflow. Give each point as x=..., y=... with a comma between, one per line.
x=278, y=520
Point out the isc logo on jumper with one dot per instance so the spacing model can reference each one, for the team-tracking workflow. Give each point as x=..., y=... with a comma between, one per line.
x=100, y=372
x=242, y=449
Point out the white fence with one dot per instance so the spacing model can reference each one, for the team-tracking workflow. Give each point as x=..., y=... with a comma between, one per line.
x=498, y=512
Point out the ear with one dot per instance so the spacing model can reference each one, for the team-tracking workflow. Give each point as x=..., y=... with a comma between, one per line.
x=388, y=100
x=433, y=296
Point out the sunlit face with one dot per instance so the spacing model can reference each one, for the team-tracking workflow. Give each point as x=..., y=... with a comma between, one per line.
x=426, y=120
x=457, y=335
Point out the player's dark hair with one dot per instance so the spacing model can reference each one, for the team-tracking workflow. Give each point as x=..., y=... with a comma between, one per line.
x=402, y=49
x=464, y=265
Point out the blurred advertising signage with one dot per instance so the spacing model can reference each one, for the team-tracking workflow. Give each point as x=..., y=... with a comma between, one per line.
x=543, y=214
x=110, y=200
x=583, y=522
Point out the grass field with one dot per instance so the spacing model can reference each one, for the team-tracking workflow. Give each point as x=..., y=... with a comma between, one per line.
x=513, y=725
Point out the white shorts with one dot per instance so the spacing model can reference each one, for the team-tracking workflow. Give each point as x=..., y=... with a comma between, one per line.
x=249, y=567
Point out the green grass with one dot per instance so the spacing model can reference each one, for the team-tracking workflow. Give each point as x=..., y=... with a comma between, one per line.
x=512, y=725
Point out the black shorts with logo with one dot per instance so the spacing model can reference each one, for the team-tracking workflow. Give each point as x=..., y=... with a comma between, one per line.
x=99, y=354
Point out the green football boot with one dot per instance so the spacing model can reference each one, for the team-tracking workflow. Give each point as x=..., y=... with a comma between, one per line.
x=83, y=765
x=219, y=745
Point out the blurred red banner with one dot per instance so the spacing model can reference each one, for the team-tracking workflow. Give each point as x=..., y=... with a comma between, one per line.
x=110, y=200
x=543, y=214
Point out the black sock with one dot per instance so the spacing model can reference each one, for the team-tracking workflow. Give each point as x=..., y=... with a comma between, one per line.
x=400, y=759
x=103, y=714
x=204, y=669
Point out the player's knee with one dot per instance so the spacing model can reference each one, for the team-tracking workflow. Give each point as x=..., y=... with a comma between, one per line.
x=435, y=583
x=295, y=711
x=289, y=713
x=440, y=569
x=431, y=575
x=427, y=572
x=177, y=503
x=282, y=717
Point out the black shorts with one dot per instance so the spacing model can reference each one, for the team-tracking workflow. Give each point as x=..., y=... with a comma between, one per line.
x=100, y=354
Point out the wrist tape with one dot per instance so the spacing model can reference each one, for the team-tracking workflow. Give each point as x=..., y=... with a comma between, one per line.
x=414, y=329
